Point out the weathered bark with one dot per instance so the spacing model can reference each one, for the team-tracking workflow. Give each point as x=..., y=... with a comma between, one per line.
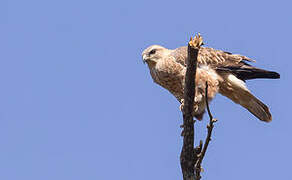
x=191, y=158
x=188, y=156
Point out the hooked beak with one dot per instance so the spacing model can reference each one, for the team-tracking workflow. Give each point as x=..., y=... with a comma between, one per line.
x=144, y=57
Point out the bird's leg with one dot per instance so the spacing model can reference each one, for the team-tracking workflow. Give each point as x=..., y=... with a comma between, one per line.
x=181, y=107
x=195, y=108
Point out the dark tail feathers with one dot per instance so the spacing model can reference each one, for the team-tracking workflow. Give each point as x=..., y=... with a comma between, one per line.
x=254, y=73
x=246, y=73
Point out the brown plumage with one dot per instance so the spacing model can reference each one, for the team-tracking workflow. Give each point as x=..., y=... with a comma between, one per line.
x=224, y=72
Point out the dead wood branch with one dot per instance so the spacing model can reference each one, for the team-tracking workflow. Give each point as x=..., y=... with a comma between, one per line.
x=208, y=138
x=188, y=156
x=191, y=158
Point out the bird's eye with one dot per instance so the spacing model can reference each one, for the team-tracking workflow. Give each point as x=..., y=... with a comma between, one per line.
x=153, y=51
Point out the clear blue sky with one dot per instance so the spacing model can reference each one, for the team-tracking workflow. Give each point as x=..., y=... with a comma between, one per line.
x=76, y=101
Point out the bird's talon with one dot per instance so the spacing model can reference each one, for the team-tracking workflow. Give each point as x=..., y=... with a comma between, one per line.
x=181, y=107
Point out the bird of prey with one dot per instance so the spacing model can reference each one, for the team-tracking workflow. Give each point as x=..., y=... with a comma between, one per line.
x=224, y=72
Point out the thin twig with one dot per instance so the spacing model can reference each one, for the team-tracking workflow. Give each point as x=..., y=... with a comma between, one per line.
x=208, y=138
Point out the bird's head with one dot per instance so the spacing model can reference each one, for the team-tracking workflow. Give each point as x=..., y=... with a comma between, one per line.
x=153, y=54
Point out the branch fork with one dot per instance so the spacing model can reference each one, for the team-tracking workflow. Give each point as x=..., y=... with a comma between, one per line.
x=191, y=158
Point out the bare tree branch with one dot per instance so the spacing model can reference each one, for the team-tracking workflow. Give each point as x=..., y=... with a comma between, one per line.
x=188, y=155
x=191, y=158
x=208, y=138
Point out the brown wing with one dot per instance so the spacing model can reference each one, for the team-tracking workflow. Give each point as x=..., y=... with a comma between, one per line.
x=210, y=56
x=222, y=61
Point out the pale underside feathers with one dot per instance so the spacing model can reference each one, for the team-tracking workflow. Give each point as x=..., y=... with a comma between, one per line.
x=225, y=73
